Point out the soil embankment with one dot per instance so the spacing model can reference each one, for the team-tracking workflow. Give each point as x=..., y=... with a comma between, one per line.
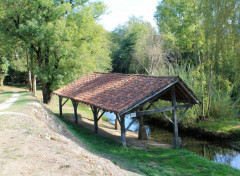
x=33, y=142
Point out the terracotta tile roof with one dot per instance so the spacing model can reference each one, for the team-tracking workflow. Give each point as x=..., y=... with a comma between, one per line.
x=114, y=92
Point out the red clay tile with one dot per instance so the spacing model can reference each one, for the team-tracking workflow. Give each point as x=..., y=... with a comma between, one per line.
x=113, y=92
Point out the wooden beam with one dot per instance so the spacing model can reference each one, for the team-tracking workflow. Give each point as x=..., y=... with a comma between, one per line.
x=167, y=117
x=174, y=110
x=123, y=131
x=130, y=124
x=95, y=116
x=181, y=116
x=118, y=118
x=60, y=106
x=65, y=102
x=176, y=139
x=154, y=106
x=142, y=113
x=91, y=108
x=75, y=105
x=100, y=115
x=150, y=104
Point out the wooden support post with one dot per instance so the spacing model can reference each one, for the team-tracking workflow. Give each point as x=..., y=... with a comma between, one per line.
x=60, y=106
x=142, y=133
x=75, y=105
x=176, y=140
x=123, y=131
x=95, y=115
x=116, y=124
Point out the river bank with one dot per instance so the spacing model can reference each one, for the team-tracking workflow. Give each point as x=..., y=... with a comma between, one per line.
x=214, y=150
x=219, y=130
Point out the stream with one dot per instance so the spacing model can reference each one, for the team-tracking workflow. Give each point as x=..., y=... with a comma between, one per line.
x=212, y=151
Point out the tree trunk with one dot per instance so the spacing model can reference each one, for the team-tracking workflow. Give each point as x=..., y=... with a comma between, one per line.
x=1, y=75
x=1, y=79
x=34, y=82
x=30, y=80
x=47, y=92
x=29, y=73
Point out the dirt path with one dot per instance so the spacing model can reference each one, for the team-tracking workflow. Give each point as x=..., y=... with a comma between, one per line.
x=33, y=143
x=9, y=102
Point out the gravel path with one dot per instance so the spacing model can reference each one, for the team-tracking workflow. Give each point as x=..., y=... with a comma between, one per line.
x=9, y=102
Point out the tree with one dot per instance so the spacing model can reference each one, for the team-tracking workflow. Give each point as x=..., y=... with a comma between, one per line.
x=180, y=24
x=124, y=39
x=206, y=33
x=59, y=37
x=151, y=55
x=3, y=69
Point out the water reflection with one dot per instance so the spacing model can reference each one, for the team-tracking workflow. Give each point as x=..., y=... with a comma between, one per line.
x=214, y=152
x=128, y=120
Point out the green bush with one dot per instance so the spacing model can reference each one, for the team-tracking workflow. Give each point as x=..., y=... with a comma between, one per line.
x=223, y=107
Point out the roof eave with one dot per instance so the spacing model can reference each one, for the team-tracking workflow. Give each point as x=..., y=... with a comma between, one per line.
x=149, y=97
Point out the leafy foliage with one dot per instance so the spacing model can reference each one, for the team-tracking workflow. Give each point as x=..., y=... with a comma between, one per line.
x=63, y=38
x=206, y=34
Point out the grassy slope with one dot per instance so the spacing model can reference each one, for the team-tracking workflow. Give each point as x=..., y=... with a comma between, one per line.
x=147, y=162
x=151, y=161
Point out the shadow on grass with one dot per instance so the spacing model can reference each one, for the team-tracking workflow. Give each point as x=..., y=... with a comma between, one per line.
x=18, y=86
x=6, y=93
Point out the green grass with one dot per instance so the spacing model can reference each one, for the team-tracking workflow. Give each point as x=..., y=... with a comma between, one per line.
x=104, y=118
x=4, y=96
x=149, y=162
x=219, y=125
x=24, y=98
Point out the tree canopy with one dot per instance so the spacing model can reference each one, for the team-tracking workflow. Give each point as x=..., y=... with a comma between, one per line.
x=63, y=38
